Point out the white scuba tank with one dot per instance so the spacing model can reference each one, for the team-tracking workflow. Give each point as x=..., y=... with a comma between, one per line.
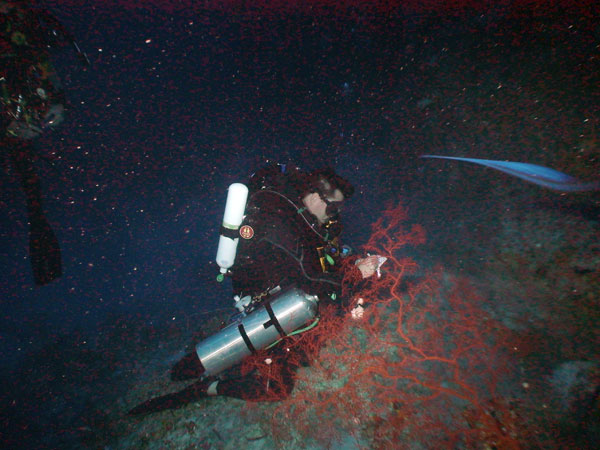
x=232, y=219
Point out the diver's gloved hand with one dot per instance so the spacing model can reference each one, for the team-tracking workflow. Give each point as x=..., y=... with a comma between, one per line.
x=44, y=251
x=54, y=116
x=358, y=311
x=370, y=265
x=190, y=394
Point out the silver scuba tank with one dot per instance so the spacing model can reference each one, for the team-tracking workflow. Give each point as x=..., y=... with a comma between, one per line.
x=285, y=314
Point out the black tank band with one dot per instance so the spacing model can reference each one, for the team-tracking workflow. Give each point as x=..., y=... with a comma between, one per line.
x=273, y=321
x=228, y=232
x=246, y=338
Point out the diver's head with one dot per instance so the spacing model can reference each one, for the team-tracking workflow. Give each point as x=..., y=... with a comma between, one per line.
x=323, y=207
x=325, y=194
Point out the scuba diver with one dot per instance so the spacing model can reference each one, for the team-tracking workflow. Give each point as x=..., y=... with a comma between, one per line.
x=32, y=102
x=286, y=265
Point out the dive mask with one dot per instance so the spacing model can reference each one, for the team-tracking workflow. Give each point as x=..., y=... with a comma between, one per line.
x=334, y=208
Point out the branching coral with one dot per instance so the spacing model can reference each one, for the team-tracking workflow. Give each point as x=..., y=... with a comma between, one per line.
x=420, y=369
